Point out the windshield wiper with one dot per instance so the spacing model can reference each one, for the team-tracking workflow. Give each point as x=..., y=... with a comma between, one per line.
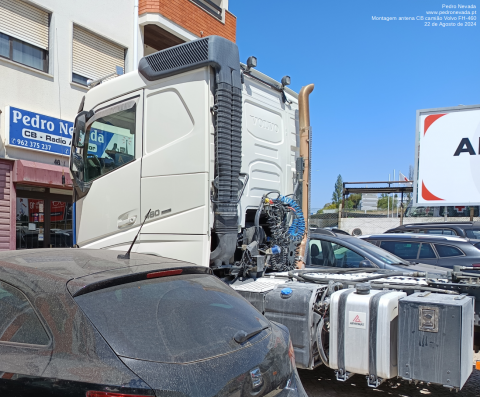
x=241, y=336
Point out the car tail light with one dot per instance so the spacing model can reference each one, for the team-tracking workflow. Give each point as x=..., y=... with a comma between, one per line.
x=291, y=353
x=165, y=273
x=92, y=393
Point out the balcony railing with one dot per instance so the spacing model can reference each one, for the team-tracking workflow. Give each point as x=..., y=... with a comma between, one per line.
x=210, y=7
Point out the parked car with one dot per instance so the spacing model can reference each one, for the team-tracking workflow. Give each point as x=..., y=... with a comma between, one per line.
x=445, y=251
x=81, y=322
x=330, y=249
x=469, y=230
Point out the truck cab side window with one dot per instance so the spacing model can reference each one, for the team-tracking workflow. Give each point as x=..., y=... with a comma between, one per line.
x=111, y=143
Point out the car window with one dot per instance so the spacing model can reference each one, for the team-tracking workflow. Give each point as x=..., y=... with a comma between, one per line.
x=18, y=321
x=345, y=257
x=433, y=231
x=445, y=232
x=379, y=253
x=315, y=257
x=177, y=319
x=405, y=250
x=426, y=252
x=449, y=232
x=445, y=251
x=473, y=233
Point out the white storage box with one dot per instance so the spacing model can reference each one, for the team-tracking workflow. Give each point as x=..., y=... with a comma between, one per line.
x=363, y=333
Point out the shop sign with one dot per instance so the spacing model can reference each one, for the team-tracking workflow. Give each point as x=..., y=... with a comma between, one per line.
x=34, y=131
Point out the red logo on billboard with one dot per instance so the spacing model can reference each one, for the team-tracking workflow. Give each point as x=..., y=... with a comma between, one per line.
x=460, y=208
x=357, y=319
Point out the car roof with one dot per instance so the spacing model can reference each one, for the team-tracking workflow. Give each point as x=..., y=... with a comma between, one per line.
x=327, y=233
x=439, y=224
x=415, y=236
x=60, y=265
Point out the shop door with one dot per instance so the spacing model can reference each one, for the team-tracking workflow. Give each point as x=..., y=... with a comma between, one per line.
x=30, y=223
x=43, y=218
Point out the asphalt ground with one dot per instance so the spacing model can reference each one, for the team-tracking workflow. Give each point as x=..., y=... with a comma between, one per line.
x=321, y=382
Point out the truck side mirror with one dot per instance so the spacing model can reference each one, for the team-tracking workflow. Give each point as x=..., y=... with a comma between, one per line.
x=79, y=130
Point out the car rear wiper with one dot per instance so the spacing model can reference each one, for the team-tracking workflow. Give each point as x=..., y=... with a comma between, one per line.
x=241, y=336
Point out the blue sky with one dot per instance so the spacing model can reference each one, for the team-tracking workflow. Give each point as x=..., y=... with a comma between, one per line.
x=370, y=76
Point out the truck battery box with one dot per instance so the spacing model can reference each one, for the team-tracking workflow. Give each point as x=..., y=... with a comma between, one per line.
x=436, y=338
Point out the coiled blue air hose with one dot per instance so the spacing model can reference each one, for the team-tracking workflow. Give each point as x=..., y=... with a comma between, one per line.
x=297, y=228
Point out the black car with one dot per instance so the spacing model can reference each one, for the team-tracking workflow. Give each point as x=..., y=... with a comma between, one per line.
x=330, y=249
x=81, y=322
x=470, y=230
x=445, y=251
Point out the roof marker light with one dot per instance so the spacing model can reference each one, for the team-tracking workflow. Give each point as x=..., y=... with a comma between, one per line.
x=165, y=273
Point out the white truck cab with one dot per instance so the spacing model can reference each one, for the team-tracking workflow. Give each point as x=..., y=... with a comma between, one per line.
x=190, y=139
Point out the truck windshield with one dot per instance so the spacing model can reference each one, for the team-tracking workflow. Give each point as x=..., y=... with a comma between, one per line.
x=111, y=143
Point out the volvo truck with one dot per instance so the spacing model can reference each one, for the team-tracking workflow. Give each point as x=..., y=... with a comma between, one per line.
x=192, y=143
x=197, y=157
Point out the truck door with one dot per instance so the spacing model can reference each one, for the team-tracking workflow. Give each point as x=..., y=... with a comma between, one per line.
x=109, y=211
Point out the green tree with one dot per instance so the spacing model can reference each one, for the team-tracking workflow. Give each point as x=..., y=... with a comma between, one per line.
x=353, y=200
x=385, y=201
x=327, y=206
x=337, y=192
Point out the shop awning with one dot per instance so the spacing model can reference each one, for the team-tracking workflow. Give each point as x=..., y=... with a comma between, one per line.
x=31, y=172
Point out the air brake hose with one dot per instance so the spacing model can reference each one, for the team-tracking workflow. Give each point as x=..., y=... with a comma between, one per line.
x=297, y=228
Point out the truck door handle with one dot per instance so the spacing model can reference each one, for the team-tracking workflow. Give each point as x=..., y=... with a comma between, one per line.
x=128, y=221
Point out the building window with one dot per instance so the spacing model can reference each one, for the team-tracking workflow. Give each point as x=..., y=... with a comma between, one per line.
x=76, y=78
x=24, y=34
x=213, y=7
x=93, y=56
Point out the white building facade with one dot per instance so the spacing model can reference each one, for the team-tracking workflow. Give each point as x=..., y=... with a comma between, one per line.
x=49, y=50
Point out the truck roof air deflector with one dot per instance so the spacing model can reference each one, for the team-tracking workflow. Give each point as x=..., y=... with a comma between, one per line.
x=214, y=51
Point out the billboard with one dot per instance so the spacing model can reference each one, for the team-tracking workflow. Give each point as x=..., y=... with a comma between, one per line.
x=447, y=157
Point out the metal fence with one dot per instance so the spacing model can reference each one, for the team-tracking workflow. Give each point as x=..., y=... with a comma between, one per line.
x=373, y=222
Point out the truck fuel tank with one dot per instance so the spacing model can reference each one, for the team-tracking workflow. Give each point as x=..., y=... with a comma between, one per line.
x=363, y=333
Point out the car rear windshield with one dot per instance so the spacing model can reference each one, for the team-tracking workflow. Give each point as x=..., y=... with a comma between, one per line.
x=173, y=319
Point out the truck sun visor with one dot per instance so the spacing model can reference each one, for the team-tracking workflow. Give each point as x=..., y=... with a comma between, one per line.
x=222, y=55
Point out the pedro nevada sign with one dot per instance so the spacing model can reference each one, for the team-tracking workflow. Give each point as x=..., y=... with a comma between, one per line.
x=34, y=131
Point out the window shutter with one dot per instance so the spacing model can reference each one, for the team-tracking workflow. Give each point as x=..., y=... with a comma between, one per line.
x=24, y=22
x=93, y=56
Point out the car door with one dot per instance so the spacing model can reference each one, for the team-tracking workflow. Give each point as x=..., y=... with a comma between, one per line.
x=25, y=345
x=112, y=165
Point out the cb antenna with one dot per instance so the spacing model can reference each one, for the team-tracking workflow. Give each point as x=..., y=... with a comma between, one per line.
x=127, y=255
